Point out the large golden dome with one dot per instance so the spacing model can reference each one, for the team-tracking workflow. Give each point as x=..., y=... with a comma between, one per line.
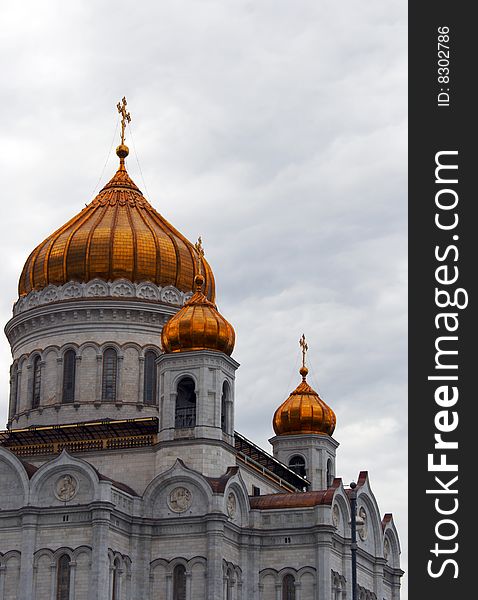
x=118, y=235
x=304, y=412
x=198, y=326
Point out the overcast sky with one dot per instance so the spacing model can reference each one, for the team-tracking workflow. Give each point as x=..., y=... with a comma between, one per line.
x=275, y=129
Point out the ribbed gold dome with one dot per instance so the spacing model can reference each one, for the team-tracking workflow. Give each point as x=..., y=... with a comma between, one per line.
x=118, y=235
x=198, y=326
x=304, y=411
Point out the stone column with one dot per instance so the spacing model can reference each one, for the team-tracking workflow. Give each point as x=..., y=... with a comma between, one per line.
x=29, y=531
x=99, y=580
x=278, y=591
x=52, y=581
x=119, y=380
x=169, y=586
x=99, y=373
x=72, y=580
x=215, y=533
x=140, y=557
x=188, y=575
x=2, y=581
x=323, y=551
x=141, y=381
x=59, y=380
x=76, y=393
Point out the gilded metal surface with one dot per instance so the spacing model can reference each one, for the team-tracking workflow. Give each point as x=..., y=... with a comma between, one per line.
x=304, y=411
x=119, y=234
x=125, y=117
x=198, y=326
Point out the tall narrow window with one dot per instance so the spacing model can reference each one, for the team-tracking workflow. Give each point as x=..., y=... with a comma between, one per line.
x=185, y=415
x=69, y=373
x=297, y=464
x=16, y=389
x=224, y=406
x=330, y=473
x=63, y=578
x=288, y=587
x=110, y=372
x=179, y=582
x=36, y=382
x=150, y=377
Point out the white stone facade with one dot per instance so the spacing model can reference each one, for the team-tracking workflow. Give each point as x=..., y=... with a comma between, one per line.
x=187, y=516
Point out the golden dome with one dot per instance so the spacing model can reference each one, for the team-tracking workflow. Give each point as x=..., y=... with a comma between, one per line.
x=198, y=326
x=303, y=412
x=118, y=235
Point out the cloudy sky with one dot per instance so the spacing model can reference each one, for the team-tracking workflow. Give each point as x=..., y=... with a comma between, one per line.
x=275, y=129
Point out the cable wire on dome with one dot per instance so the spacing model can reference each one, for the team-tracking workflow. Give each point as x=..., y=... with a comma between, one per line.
x=107, y=158
x=137, y=160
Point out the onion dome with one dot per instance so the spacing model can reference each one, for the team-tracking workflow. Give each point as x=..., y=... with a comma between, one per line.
x=304, y=411
x=118, y=235
x=198, y=326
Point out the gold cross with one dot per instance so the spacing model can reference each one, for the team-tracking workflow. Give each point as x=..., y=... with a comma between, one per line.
x=200, y=252
x=126, y=117
x=303, y=345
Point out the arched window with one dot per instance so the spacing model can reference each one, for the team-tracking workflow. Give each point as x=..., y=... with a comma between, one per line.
x=116, y=578
x=229, y=583
x=63, y=578
x=110, y=372
x=288, y=587
x=185, y=415
x=179, y=582
x=297, y=464
x=36, y=388
x=69, y=372
x=149, y=377
x=330, y=472
x=224, y=406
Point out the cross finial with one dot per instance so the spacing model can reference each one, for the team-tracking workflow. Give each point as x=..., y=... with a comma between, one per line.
x=125, y=117
x=200, y=253
x=305, y=347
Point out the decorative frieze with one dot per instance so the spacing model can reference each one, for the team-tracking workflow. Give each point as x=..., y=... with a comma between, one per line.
x=97, y=288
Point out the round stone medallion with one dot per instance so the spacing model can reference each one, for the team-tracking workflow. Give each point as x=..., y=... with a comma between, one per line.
x=180, y=499
x=66, y=487
x=363, y=528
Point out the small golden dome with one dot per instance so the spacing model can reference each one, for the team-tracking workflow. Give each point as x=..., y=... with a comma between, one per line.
x=198, y=326
x=303, y=412
x=118, y=235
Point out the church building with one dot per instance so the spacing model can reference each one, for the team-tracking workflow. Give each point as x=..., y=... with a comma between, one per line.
x=122, y=475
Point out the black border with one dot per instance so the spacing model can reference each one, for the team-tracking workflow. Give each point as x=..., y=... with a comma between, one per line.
x=433, y=129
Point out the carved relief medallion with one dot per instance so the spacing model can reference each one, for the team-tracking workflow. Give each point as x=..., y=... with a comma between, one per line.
x=179, y=499
x=363, y=527
x=231, y=505
x=335, y=516
x=66, y=488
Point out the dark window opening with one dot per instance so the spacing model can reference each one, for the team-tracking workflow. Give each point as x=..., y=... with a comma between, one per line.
x=69, y=372
x=330, y=473
x=36, y=382
x=185, y=415
x=150, y=378
x=256, y=491
x=115, y=583
x=179, y=582
x=288, y=587
x=63, y=578
x=110, y=372
x=224, y=403
x=297, y=464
